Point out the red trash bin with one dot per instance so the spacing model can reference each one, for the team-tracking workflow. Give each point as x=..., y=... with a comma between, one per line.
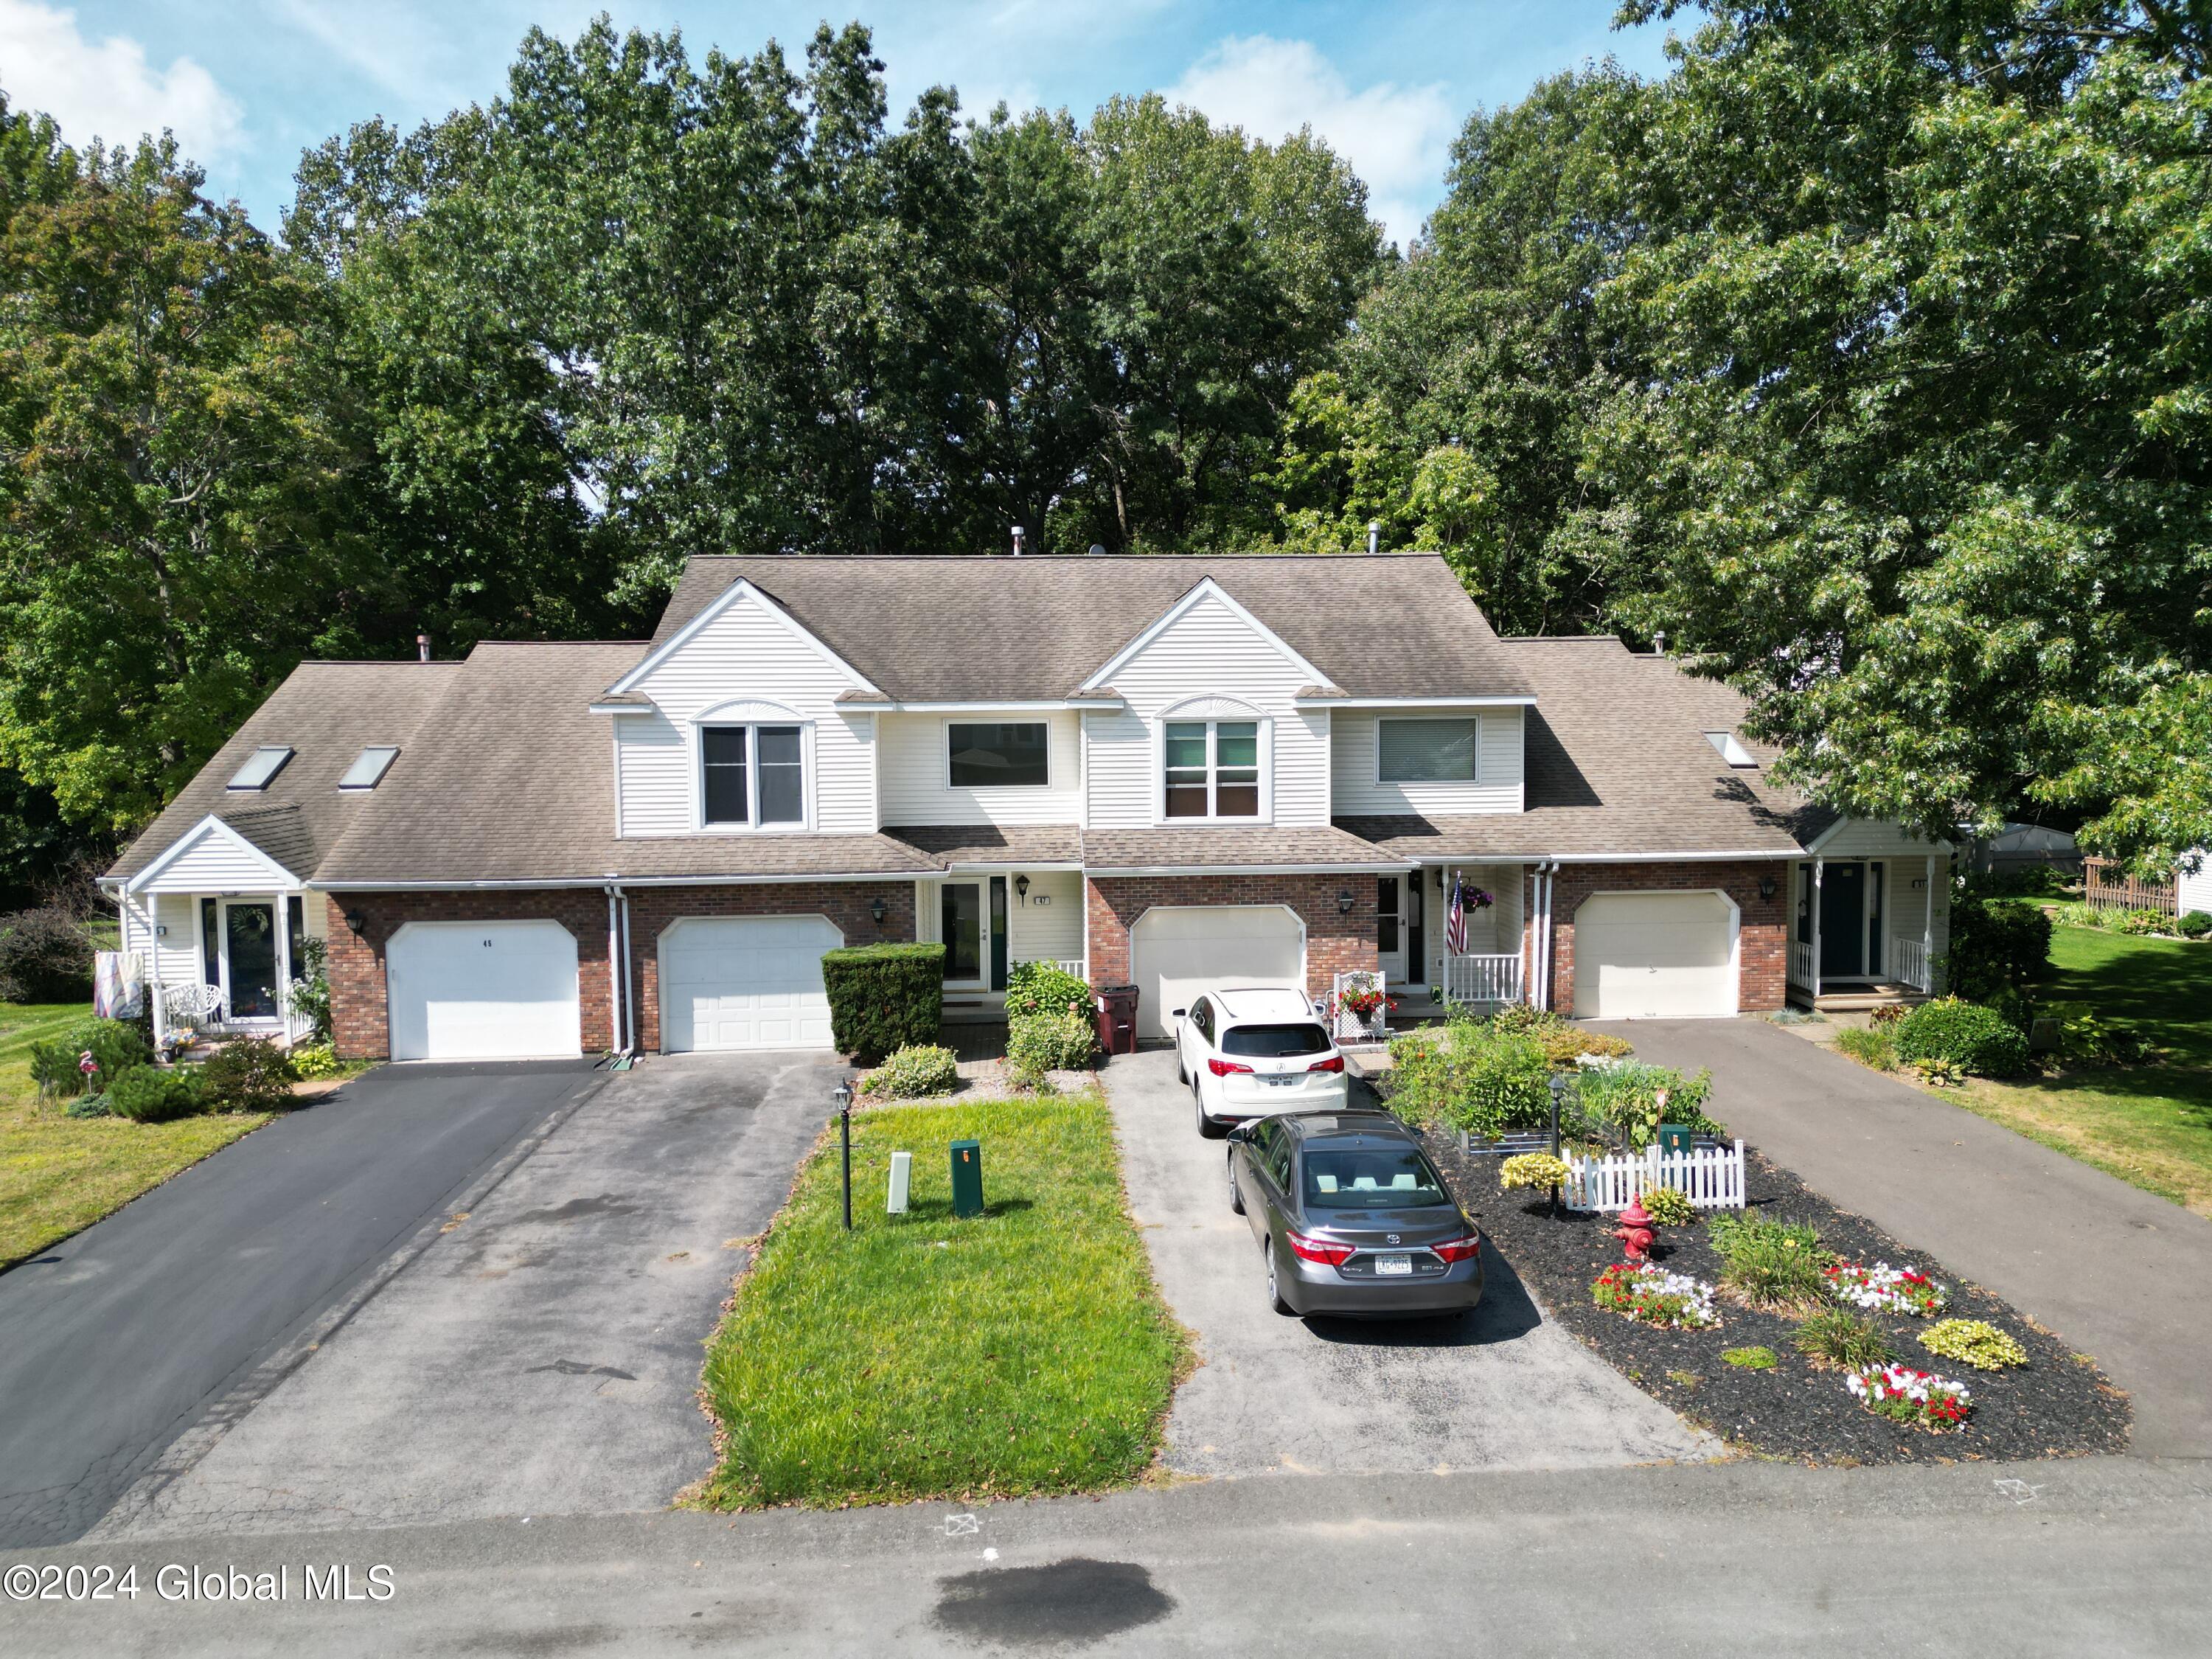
x=1117, y=1019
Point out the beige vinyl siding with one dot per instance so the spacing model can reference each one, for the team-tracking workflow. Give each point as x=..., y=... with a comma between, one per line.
x=175, y=960
x=911, y=752
x=745, y=652
x=1876, y=838
x=2194, y=892
x=1052, y=930
x=1495, y=932
x=1497, y=788
x=1208, y=651
x=214, y=863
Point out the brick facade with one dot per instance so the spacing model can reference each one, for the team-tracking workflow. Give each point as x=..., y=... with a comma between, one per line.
x=1762, y=938
x=1336, y=941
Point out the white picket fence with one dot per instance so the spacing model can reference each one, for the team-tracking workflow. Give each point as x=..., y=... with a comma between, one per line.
x=1711, y=1177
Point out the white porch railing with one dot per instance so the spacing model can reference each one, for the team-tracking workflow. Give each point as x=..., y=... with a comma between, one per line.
x=1801, y=963
x=1066, y=965
x=1482, y=979
x=1911, y=956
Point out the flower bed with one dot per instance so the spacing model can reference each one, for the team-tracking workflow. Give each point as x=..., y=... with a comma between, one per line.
x=1656, y=1296
x=1919, y=1400
x=1884, y=1289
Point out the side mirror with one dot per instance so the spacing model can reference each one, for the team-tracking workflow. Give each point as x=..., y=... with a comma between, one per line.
x=1240, y=1134
x=1178, y=1013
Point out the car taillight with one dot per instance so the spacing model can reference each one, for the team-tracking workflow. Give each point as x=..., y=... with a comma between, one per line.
x=1334, y=1063
x=1327, y=1252
x=1458, y=1249
x=1223, y=1068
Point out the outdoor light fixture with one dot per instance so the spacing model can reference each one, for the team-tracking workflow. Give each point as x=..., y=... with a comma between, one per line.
x=1344, y=901
x=1766, y=887
x=357, y=921
x=1021, y=887
x=843, y=1094
x=876, y=908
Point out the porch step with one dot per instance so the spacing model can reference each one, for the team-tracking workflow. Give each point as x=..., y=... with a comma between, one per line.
x=1859, y=999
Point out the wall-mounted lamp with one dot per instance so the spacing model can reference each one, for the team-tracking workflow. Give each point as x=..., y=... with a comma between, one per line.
x=1021, y=887
x=876, y=908
x=161, y=930
x=1440, y=878
x=1344, y=903
x=358, y=922
x=1766, y=887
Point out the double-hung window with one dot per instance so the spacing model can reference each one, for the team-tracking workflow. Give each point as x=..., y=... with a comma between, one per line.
x=997, y=754
x=752, y=776
x=1426, y=750
x=1213, y=768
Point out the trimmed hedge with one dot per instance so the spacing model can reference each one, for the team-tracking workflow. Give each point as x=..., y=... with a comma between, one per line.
x=1970, y=1036
x=1041, y=988
x=156, y=1094
x=250, y=1075
x=884, y=997
x=912, y=1074
x=1037, y=1044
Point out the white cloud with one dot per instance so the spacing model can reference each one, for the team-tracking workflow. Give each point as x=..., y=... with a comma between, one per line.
x=1396, y=138
x=107, y=89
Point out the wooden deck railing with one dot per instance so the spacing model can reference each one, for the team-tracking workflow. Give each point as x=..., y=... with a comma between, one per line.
x=2107, y=887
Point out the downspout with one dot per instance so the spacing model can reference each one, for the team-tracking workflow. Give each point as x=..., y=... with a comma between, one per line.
x=616, y=1002
x=1547, y=874
x=629, y=1000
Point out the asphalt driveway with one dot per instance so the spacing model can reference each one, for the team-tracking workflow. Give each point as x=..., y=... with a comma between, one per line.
x=114, y=1341
x=540, y=1354
x=1502, y=1389
x=2121, y=1273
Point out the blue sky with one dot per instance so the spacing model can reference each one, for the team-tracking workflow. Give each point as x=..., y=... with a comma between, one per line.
x=247, y=84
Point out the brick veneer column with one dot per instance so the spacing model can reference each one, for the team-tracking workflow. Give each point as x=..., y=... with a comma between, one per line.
x=1762, y=938
x=1337, y=942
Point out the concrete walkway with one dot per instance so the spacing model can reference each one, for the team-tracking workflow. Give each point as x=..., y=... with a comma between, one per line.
x=2118, y=1272
x=1502, y=1389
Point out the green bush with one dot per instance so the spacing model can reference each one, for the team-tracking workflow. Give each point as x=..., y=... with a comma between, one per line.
x=1970, y=1036
x=2194, y=923
x=2077, y=915
x=1037, y=1044
x=912, y=1073
x=308, y=996
x=2003, y=946
x=1669, y=1206
x=1485, y=1077
x=1973, y=1342
x=1840, y=1340
x=252, y=1074
x=2141, y=922
x=115, y=1046
x=156, y=1094
x=884, y=997
x=2086, y=1036
x=1538, y=1171
x=45, y=956
x=1869, y=1047
x=1040, y=988
x=1560, y=1038
x=1750, y=1359
x=1624, y=1100
x=1770, y=1264
x=317, y=1060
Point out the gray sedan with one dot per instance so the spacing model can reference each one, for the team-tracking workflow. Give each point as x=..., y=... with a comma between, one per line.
x=1352, y=1217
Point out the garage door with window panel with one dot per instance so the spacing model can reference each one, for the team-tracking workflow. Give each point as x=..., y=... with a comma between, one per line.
x=744, y=983
x=483, y=990
x=1177, y=951
x=1654, y=956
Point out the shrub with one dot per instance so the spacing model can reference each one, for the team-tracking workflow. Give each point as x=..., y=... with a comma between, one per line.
x=115, y=1046
x=317, y=1060
x=1040, y=988
x=156, y=1094
x=884, y=997
x=1840, y=1341
x=911, y=1073
x=1668, y=1206
x=1995, y=947
x=1625, y=1099
x=1973, y=1342
x=1770, y=1264
x=2086, y=1036
x=1972, y=1037
x=1888, y=1014
x=1480, y=1077
x=1037, y=1044
x=2020, y=881
x=45, y=956
x=88, y=1106
x=2077, y=915
x=1652, y=1296
x=2141, y=921
x=1750, y=1359
x=308, y=996
x=2194, y=924
x=1869, y=1047
x=250, y=1075
x=1539, y=1170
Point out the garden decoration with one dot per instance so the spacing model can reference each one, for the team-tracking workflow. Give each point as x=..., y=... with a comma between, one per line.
x=1636, y=1231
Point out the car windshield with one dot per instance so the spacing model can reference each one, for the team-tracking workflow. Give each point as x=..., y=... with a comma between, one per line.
x=1384, y=1178
x=1272, y=1042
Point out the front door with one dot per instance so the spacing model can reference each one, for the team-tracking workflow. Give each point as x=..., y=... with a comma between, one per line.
x=249, y=958
x=1843, y=920
x=1390, y=927
x=966, y=934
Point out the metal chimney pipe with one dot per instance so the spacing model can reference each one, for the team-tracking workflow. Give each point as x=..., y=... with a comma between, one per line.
x=421, y=648
x=1659, y=643
x=1374, y=535
x=1018, y=541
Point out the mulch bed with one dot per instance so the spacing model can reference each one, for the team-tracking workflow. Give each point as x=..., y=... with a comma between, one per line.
x=2056, y=1406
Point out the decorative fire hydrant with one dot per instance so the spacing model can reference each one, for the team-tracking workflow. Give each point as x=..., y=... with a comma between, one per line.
x=1636, y=1231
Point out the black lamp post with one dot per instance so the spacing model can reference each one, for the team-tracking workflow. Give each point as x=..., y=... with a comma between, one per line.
x=1558, y=1082
x=843, y=1096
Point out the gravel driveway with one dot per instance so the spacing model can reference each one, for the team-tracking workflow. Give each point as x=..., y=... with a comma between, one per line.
x=1505, y=1388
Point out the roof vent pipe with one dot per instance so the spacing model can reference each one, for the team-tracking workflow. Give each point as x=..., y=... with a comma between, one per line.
x=1018, y=541
x=1374, y=535
x=1659, y=643
x=421, y=648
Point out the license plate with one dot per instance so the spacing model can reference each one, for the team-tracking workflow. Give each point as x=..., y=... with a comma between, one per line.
x=1284, y=1081
x=1388, y=1265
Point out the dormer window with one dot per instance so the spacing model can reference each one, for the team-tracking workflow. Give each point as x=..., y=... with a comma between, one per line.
x=261, y=767
x=752, y=777
x=1213, y=768
x=1731, y=750
x=368, y=767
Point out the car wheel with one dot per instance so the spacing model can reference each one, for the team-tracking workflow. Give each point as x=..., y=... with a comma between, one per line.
x=1183, y=1071
x=1275, y=1290
x=1236, y=1197
x=1206, y=1126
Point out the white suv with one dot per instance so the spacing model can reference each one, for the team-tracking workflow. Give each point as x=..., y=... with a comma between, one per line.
x=1255, y=1052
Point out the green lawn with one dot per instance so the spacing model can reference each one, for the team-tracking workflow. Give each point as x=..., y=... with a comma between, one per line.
x=1024, y=1352
x=2150, y=1125
x=59, y=1175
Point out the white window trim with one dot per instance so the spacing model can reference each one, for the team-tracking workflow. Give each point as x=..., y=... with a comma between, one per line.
x=945, y=739
x=751, y=716
x=1214, y=711
x=1428, y=783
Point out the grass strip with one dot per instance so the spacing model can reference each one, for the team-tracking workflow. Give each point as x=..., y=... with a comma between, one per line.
x=1024, y=1351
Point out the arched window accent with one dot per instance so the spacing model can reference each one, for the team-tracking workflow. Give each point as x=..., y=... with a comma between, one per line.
x=1214, y=754
x=753, y=764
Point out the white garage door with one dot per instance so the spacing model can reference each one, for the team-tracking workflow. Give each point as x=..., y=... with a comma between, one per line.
x=1654, y=956
x=744, y=983
x=1174, y=954
x=482, y=990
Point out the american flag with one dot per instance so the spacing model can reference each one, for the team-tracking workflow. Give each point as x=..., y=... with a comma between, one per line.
x=1456, y=920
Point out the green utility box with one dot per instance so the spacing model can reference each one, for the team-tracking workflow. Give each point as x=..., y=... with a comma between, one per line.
x=1673, y=1138
x=966, y=1177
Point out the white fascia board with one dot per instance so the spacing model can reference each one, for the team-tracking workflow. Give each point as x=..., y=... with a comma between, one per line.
x=1206, y=588
x=621, y=708
x=211, y=826
x=1070, y=867
x=604, y=880
x=1038, y=706
x=1514, y=700
x=1383, y=866
x=722, y=601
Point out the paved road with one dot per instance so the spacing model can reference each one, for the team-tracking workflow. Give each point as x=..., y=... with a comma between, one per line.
x=541, y=1355
x=2074, y=1557
x=1502, y=1389
x=113, y=1341
x=2120, y=1274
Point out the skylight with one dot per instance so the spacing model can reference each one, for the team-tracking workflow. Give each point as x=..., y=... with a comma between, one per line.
x=368, y=771
x=262, y=765
x=1731, y=750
